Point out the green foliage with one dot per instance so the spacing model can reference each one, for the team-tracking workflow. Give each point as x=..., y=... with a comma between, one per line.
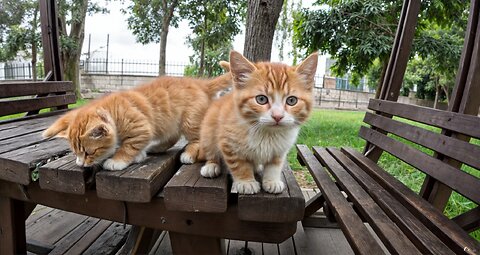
x=146, y=18
x=214, y=24
x=358, y=32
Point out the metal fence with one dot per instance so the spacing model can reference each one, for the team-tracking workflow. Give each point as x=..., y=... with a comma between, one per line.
x=130, y=67
x=20, y=71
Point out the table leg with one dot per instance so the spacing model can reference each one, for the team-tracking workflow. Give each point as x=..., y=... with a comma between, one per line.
x=12, y=226
x=192, y=244
x=140, y=240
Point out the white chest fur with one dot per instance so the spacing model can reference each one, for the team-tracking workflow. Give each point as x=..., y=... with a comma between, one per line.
x=263, y=144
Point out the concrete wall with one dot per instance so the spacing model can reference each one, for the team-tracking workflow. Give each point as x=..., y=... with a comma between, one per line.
x=324, y=97
x=109, y=83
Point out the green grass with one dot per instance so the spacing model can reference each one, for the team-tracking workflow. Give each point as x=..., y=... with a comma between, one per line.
x=333, y=128
x=79, y=102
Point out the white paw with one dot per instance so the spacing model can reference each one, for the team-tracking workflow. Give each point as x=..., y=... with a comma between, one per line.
x=274, y=187
x=247, y=187
x=140, y=157
x=113, y=165
x=210, y=170
x=186, y=158
x=259, y=169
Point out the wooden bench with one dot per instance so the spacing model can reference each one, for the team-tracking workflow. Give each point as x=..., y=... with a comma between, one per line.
x=358, y=194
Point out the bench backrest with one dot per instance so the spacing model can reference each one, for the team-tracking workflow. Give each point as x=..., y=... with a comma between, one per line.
x=444, y=147
x=30, y=97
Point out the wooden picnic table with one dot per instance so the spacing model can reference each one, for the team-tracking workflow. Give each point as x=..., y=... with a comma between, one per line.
x=159, y=193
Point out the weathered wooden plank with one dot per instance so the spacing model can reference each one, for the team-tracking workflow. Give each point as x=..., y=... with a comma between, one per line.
x=360, y=239
x=426, y=241
x=448, y=231
x=26, y=127
x=15, y=89
x=59, y=224
x=227, y=225
x=460, y=150
x=458, y=180
x=162, y=245
x=86, y=241
x=64, y=244
x=20, y=142
x=110, y=241
x=39, y=213
x=469, y=221
x=188, y=191
x=461, y=123
x=12, y=226
x=26, y=105
x=139, y=182
x=287, y=206
x=65, y=175
x=9, y=123
x=16, y=166
x=389, y=233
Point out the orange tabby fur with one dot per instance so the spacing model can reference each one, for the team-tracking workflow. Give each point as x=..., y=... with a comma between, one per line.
x=249, y=135
x=120, y=128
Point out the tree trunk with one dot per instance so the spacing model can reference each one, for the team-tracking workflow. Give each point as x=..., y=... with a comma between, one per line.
x=382, y=77
x=34, y=61
x=447, y=93
x=262, y=17
x=163, y=47
x=437, y=95
x=201, y=68
x=72, y=72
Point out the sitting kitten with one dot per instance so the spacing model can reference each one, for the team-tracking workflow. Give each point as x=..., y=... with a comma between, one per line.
x=254, y=126
x=120, y=128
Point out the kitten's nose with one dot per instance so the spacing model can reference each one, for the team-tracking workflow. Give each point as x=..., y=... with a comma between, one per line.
x=277, y=117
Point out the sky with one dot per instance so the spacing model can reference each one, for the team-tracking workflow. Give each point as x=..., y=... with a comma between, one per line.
x=122, y=43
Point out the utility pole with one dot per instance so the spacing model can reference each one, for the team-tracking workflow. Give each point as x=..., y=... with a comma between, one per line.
x=106, y=65
x=88, y=54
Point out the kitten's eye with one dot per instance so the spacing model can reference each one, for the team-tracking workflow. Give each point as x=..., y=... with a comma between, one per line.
x=291, y=100
x=261, y=99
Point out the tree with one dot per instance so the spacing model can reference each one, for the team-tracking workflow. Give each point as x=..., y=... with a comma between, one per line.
x=22, y=33
x=358, y=32
x=214, y=24
x=71, y=16
x=262, y=17
x=284, y=29
x=150, y=22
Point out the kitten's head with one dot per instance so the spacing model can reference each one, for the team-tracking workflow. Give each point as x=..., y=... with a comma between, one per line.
x=91, y=133
x=272, y=94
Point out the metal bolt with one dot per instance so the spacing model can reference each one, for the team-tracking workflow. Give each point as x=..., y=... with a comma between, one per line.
x=163, y=220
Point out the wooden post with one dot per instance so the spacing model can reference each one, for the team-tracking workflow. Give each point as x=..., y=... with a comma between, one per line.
x=12, y=227
x=50, y=41
x=190, y=244
x=397, y=64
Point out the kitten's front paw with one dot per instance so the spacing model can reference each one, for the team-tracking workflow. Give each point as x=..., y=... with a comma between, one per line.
x=140, y=157
x=210, y=170
x=114, y=165
x=274, y=187
x=186, y=158
x=247, y=187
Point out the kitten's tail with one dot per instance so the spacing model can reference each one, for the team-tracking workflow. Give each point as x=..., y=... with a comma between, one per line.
x=219, y=83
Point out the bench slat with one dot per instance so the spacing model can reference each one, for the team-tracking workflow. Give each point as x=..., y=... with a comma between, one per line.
x=26, y=105
x=19, y=142
x=425, y=240
x=389, y=233
x=139, y=182
x=15, y=89
x=458, y=180
x=16, y=166
x=16, y=129
x=462, y=123
x=287, y=206
x=357, y=234
x=451, y=147
x=446, y=230
x=188, y=191
x=64, y=175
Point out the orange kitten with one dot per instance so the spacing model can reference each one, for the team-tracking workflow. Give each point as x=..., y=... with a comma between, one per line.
x=120, y=128
x=254, y=127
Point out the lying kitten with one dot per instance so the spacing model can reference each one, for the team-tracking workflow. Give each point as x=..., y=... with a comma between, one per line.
x=254, y=126
x=120, y=128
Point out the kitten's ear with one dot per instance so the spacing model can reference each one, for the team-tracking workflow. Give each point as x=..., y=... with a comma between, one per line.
x=308, y=68
x=99, y=131
x=59, y=128
x=240, y=67
x=225, y=65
